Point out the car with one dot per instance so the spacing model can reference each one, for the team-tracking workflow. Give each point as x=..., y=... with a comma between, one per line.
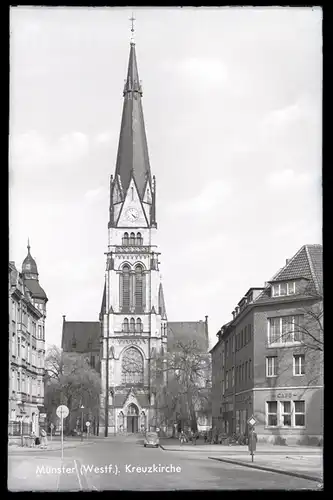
x=151, y=439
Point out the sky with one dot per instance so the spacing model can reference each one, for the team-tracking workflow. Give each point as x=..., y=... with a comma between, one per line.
x=232, y=100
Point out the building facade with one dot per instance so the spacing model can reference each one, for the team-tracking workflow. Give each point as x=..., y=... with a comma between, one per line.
x=133, y=329
x=27, y=315
x=268, y=359
x=133, y=317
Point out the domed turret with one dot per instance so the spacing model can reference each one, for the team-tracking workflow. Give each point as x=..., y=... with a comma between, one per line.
x=30, y=275
x=29, y=266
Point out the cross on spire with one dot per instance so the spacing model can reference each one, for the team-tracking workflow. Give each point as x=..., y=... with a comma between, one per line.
x=132, y=19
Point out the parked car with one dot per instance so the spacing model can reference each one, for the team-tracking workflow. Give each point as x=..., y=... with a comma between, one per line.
x=151, y=439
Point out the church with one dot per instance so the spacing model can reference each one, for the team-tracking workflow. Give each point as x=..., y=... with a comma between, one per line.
x=132, y=328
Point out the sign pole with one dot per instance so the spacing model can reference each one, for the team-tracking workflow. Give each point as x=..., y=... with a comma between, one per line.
x=252, y=443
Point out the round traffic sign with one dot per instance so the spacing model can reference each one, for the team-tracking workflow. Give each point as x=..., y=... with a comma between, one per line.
x=88, y=424
x=62, y=411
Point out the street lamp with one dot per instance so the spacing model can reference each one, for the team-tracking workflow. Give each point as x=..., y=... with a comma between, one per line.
x=82, y=408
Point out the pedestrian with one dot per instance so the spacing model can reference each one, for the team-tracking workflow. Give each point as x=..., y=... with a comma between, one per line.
x=182, y=437
x=195, y=437
x=205, y=437
x=33, y=439
x=43, y=439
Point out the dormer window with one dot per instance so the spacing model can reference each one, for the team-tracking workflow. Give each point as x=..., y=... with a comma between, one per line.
x=283, y=289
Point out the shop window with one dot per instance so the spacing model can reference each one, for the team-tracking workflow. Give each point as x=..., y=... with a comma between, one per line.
x=299, y=412
x=286, y=413
x=271, y=413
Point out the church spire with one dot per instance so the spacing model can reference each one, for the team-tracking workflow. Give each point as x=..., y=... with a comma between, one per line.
x=133, y=158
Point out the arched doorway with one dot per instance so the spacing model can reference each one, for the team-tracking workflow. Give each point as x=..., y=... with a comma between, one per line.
x=132, y=418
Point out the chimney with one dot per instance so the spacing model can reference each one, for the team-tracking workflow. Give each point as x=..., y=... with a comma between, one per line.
x=206, y=326
x=237, y=309
x=233, y=314
x=63, y=318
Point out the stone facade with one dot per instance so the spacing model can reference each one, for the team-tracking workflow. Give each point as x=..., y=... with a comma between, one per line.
x=27, y=314
x=133, y=318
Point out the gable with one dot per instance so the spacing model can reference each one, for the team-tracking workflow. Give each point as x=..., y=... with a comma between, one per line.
x=132, y=200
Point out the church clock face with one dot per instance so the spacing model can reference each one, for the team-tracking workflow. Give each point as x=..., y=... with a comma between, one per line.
x=132, y=214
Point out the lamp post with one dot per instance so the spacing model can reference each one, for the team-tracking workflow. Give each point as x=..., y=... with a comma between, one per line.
x=82, y=408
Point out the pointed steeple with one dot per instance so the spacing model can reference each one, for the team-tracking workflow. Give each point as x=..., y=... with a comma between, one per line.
x=133, y=158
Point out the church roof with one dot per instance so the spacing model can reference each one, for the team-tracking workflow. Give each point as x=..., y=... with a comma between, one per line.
x=186, y=331
x=133, y=158
x=76, y=336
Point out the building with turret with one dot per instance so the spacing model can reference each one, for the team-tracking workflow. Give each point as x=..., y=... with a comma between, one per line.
x=27, y=314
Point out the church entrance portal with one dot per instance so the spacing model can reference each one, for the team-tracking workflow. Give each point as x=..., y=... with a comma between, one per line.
x=132, y=418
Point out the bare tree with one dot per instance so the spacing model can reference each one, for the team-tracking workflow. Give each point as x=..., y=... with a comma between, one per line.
x=70, y=380
x=189, y=380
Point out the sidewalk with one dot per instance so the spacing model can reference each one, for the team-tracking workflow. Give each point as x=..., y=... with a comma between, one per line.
x=298, y=461
x=174, y=445
x=304, y=466
x=51, y=446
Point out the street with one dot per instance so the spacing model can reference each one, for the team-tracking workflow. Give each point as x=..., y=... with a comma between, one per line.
x=122, y=463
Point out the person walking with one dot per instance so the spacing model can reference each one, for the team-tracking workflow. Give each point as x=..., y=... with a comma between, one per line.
x=182, y=437
x=32, y=439
x=43, y=439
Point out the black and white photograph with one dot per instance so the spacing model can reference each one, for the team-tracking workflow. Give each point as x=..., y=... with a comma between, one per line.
x=165, y=272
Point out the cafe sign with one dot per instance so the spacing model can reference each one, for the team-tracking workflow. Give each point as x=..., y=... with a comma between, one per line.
x=286, y=395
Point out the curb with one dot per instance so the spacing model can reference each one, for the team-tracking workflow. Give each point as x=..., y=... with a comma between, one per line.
x=265, y=452
x=22, y=450
x=269, y=469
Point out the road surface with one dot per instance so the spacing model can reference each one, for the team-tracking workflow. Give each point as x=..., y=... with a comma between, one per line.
x=124, y=464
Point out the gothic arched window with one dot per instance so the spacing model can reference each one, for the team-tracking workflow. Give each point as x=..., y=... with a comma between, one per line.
x=138, y=291
x=132, y=239
x=132, y=325
x=139, y=240
x=125, y=239
x=132, y=366
x=125, y=288
x=125, y=325
x=139, y=325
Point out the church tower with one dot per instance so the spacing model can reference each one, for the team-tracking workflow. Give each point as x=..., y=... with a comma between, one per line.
x=133, y=317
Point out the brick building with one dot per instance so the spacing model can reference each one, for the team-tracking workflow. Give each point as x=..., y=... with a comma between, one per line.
x=268, y=359
x=27, y=314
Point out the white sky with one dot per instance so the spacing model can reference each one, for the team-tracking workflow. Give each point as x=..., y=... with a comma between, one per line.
x=232, y=105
